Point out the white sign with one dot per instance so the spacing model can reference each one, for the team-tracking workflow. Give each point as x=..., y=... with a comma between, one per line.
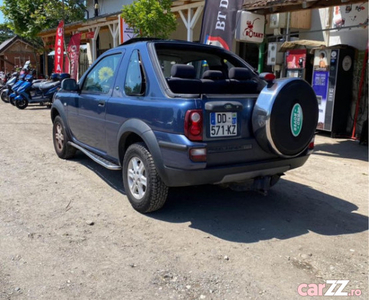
x=125, y=32
x=250, y=27
x=350, y=15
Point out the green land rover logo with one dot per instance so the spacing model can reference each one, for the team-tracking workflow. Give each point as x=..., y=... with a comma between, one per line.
x=296, y=119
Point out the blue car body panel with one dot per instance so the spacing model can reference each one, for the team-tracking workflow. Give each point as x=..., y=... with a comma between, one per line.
x=103, y=123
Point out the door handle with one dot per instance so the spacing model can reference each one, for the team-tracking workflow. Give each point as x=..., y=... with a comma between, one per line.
x=101, y=103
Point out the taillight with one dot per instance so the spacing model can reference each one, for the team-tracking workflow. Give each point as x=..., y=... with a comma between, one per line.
x=269, y=77
x=312, y=144
x=193, y=126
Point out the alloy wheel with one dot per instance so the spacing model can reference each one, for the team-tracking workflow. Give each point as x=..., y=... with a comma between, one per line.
x=59, y=136
x=137, y=179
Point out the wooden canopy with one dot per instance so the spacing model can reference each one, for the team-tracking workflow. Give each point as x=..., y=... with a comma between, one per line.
x=266, y=7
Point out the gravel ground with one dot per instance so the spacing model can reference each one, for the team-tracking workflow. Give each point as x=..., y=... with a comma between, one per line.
x=67, y=230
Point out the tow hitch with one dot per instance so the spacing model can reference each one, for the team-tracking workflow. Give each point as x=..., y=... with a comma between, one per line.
x=258, y=184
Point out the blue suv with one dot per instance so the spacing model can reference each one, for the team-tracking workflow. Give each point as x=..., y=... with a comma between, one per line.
x=172, y=113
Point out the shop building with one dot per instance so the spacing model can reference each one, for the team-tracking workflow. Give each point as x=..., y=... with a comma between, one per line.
x=305, y=24
x=15, y=51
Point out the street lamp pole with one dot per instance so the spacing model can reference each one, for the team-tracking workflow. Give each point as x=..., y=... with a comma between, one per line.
x=96, y=14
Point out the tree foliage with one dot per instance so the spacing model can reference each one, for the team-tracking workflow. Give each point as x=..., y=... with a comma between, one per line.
x=150, y=18
x=27, y=18
x=5, y=33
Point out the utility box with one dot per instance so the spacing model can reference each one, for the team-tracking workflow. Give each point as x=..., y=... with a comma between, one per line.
x=278, y=20
x=274, y=56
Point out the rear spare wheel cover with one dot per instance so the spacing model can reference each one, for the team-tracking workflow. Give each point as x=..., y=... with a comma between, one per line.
x=291, y=115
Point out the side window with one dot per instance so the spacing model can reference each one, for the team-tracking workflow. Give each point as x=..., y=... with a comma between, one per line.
x=101, y=78
x=134, y=84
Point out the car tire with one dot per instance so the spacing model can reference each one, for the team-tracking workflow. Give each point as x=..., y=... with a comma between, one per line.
x=22, y=104
x=61, y=139
x=144, y=188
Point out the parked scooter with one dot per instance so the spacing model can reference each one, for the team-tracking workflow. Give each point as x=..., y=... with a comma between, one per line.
x=11, y=91
x=4, y=78
x=4, y=91
x=39, y=92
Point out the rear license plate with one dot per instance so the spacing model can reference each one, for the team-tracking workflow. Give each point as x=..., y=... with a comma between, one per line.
x=223, y=124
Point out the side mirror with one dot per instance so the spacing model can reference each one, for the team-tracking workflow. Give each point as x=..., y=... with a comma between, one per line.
x=70, y=85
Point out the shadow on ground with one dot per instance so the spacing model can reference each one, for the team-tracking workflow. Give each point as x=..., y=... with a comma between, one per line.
x=289, y=210
x=112, y=178
x=344, y=149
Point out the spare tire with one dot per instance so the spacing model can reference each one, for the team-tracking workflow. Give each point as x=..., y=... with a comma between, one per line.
x=285, y=117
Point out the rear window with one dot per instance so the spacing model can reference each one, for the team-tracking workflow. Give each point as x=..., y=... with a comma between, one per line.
x=199, y=57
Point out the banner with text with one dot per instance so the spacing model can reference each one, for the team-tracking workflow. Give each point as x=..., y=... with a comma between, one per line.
x=125, y=32
x=219, y=22
x=73, y=53
x=59, y=48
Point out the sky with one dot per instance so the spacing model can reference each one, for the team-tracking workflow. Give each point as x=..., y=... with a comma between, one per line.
x=1, y=14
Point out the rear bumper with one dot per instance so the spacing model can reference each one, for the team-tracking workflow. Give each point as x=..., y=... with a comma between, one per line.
x=230, y=173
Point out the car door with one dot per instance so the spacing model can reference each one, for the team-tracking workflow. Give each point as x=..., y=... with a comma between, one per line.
x=88, y=122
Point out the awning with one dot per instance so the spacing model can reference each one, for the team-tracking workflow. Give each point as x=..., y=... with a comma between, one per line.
x=265, y=7
x=306, y=43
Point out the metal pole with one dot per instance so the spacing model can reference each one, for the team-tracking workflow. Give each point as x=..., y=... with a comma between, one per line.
x=288, y=27
x=261, y=53
x=97, y=44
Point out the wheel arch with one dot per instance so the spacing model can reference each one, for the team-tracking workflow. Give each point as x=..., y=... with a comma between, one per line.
x=57, y=109
x=135, y=131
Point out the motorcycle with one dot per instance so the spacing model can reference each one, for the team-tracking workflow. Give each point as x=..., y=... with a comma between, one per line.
x=40, y=92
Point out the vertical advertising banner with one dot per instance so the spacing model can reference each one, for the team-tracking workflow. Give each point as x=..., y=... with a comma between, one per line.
x=320, y=82
x=219, y=22
x=73, y=53
x=59, y=48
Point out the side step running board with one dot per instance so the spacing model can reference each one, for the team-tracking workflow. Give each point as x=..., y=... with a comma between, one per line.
x=96, y=158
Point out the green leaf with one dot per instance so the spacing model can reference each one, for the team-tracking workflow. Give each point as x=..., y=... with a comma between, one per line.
x=27, y=18
x=150, y=18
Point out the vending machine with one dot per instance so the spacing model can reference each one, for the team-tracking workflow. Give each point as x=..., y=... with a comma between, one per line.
x=295, y=63
x=298, y=64
x=332, y=83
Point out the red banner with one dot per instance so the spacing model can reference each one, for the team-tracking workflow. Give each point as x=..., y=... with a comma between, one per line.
x=59, y=48
x=73, y=53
